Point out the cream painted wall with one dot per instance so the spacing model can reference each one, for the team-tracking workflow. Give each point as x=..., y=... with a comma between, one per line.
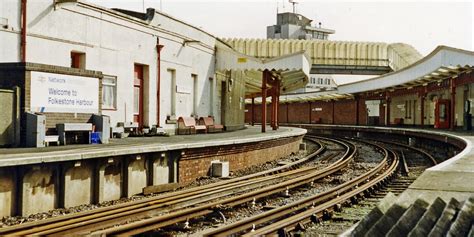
x=113, y=43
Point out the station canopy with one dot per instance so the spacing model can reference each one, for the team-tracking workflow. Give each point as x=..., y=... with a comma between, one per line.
x=443, y=63
x=292, y=70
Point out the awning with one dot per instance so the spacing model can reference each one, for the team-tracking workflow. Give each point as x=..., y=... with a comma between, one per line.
x=308, y=96
x=292, y=70
x=444, y=62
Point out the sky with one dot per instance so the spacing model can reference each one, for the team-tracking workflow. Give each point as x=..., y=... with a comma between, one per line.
x=422, y=24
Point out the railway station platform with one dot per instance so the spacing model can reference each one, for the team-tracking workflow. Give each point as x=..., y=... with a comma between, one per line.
x=40, y=179
x=452, y=178
x=440, y=201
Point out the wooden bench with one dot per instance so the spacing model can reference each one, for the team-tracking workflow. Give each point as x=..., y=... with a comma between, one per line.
x=209, y=123
x=398, y=121
x=73, y=127
x=187, y=125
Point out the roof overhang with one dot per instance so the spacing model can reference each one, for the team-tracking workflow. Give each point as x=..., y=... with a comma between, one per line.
x=444, y=62
x=307, y=97
x=292, y=69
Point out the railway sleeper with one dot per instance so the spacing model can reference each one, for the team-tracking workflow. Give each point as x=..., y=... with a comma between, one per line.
x=327, y=215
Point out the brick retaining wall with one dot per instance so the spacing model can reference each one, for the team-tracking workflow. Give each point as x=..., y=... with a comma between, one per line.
x=196, y=163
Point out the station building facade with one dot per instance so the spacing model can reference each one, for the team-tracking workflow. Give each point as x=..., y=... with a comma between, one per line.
x=146, y=69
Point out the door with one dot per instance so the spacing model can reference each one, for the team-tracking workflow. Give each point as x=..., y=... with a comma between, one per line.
x=8, y=122
x=442, y=114
x=138, y=95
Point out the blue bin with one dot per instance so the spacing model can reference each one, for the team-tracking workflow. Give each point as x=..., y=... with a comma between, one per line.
x=95, y=138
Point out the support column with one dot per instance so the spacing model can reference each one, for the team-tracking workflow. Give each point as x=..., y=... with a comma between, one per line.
x=387, y=109
x=276, y=94
x=287, y=112
x=264, y=99
x=158, y=80
x=452, y=121
x=309, y=103
x=357, y=110
x=252, y=119
x=422, y=110
x=272, y=111
x=333, y=103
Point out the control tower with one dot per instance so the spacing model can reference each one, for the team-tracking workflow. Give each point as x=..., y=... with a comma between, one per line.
x=296, y=26
x=291, y=25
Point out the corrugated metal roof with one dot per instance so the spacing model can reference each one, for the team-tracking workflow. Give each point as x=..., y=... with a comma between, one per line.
x=324, y=52
x=442, y=63
x=292, y=69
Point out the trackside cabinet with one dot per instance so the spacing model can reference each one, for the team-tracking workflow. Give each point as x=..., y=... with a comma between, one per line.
x=35, y=130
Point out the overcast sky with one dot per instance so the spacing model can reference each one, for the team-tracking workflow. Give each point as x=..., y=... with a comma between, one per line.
x=422, y=24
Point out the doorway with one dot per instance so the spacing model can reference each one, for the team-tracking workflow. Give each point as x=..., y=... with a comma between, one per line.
x=442, y=115
x=138, y=95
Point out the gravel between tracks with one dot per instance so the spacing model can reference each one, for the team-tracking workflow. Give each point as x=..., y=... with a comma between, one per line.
x=14, y=220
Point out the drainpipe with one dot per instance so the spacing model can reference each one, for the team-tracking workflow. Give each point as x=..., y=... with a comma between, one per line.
x=158, y=80
x=23, y=31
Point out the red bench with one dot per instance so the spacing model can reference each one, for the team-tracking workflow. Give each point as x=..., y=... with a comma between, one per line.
x=187, y=125
x=209, y=123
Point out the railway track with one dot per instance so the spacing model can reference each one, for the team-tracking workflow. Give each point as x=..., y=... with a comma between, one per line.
x=150, y=214
x=412, y=162
x=89, y=221
x=153, y=223
x=313, y=208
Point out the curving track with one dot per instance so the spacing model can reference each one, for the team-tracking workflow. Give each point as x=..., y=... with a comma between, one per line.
x=149, y=214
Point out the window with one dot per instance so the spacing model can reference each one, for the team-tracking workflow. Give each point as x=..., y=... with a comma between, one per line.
x=211, y=96
x=172, y=75
x=109, y=92
x=78, y=60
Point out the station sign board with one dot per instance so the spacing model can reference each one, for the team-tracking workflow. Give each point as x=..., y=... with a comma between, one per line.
x=58, y=93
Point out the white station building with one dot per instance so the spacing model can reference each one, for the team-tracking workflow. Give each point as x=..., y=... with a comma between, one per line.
x=72, y=59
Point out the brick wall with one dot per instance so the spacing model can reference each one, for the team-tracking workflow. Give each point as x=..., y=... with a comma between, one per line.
x=323, y=112
x=345, y=112
x=196, y=163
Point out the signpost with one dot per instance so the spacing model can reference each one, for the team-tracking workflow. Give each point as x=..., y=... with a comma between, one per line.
x=59, y=93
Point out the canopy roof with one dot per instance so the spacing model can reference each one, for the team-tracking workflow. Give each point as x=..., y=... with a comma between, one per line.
x=292, y=69
x=444, y=62
x=311, y=96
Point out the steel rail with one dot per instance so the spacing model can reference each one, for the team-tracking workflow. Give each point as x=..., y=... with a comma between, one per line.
x=71, y=219
x=304, y=217
x=280, y=212
x=152, y=223
x=428, y=155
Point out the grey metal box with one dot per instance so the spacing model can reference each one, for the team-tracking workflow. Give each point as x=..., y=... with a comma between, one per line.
x=220, y=168
x=102, y=125
x=35, y=130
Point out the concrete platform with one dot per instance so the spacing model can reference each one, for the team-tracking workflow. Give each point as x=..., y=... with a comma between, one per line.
x=137, y=145
x=453, y=178
x=40, y=179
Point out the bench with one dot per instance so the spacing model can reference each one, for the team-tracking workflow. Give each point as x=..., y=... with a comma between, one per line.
x=73, y=127
x=187, y=125
x=398, y=121
x=51, y=139
x=209, y=123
